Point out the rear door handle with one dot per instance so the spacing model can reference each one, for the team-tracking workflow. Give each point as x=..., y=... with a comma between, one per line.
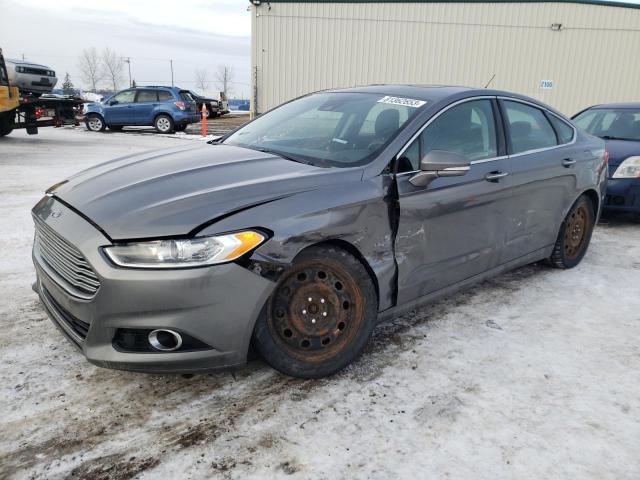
x=495, y=176
x=567, y=162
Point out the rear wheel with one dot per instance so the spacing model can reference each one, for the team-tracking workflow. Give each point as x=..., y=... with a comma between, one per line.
x=163, y=124
x=320, y=316
x=575, y=235
x=181, y=128
x=95, y=123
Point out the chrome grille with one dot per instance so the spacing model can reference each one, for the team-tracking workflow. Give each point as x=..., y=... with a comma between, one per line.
x=65, y=259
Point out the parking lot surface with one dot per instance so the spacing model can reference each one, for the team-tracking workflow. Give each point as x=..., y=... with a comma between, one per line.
x=535, y=374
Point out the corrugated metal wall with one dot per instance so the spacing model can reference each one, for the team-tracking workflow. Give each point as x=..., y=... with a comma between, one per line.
x=302, y=47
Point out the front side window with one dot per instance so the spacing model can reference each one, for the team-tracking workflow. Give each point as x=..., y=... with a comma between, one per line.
x=529, y=128
x=467, y=129
x=147, y=96
x=611, y=123
x=340, y=129
x=125, y=97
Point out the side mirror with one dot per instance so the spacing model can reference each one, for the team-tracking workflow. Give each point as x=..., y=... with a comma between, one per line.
x=439, y=163
x=113, y=102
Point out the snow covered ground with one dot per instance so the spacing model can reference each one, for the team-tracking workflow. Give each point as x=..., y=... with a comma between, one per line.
x=535, y=374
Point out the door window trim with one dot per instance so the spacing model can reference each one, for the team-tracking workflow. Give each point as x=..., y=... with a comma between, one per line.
x=544, y=112
x=440, y=112
x=505, y=132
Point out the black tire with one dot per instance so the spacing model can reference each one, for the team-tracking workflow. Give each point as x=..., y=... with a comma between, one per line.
x=95, y=123
x=115, y=128
x=574, y=235
x=164, y=124
x=320, y=316
x=6, y=123
x=180, y=128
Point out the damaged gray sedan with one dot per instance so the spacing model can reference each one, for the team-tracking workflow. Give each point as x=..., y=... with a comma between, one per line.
x=299, y=231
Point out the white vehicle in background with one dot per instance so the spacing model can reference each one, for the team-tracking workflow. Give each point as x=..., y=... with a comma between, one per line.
x=31, y=78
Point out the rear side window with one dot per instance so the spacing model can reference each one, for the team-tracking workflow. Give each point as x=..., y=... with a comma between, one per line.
x=147, y=96
x=529, y=128
x=564, y=131
x=164, y=95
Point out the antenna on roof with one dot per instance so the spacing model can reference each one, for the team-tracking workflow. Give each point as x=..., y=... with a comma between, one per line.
x=490, y=80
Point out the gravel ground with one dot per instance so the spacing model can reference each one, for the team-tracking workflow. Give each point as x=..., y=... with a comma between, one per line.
x=535, y=374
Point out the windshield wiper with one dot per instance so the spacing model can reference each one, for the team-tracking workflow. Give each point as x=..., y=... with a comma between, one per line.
x=612, y=137
x=286, y=157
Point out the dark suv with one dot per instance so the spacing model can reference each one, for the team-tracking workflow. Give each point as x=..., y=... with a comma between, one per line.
x=168, y=109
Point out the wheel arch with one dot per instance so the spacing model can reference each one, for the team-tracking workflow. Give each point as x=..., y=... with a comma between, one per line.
x=352, y=250
x=592, y=195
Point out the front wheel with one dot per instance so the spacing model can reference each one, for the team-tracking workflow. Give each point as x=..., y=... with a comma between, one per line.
x=575, y=235
x=320, y=316
x=163, y=124
x=95, y=123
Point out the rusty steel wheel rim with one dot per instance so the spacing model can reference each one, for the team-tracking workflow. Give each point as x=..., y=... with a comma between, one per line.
x=575, y=234
x=316, y=311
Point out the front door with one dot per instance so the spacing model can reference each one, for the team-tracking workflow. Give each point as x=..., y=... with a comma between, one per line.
x=453, y=228
x=119, y=109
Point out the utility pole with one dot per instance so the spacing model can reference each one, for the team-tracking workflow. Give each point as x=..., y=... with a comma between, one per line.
x=171, y=62
x=128, y=60
x=23, y=56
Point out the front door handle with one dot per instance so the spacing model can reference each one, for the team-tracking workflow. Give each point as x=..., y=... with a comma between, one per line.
x=495, y=176
x=567, y=162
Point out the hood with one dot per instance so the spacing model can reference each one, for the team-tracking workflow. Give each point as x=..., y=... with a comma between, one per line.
x=620, y=150
x=174, y=192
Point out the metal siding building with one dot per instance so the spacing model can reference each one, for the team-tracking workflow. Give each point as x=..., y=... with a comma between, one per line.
x=591, y=52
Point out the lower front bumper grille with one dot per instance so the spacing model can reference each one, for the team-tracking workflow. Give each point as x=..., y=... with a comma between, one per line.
x=79, y=329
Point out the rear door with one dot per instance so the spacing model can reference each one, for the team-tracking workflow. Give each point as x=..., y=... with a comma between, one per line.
x=542, y=158
x=119, y=109
x=453, y=228
x=145, y=105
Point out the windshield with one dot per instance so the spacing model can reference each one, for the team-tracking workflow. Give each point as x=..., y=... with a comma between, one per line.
x=611, y=123
x=329, y=129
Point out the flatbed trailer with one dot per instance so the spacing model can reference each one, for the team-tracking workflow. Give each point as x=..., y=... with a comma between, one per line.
x=18, y=110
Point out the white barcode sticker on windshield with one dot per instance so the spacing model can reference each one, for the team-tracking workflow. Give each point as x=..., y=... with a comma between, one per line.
x=407, y=102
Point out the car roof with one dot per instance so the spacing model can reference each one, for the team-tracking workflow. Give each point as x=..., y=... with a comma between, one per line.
x=26, y=63
x=633, y=105
x=436, y=93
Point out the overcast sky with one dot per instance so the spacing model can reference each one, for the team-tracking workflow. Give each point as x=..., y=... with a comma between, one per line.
x=194, y=33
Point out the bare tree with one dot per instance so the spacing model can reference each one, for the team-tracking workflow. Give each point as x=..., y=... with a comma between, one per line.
x=224, y=78
x=112, y=66
x=89, y=66
x=202, y=80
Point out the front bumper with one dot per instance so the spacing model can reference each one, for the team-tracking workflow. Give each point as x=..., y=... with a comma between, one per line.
x=623, y=194
x=216, y=305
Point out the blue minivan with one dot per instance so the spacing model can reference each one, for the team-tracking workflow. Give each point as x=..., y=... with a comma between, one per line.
x=168, y=109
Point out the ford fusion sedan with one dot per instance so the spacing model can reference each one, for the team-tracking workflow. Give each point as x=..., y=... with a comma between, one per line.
x=619, y=125
x=168, y=109
x=299, y=231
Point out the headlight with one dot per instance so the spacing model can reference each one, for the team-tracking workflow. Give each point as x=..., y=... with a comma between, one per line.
x=630, y=168
x=195, y=252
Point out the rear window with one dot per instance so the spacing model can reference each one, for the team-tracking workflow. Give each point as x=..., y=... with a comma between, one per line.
x=186, y=96
x=164, y=95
